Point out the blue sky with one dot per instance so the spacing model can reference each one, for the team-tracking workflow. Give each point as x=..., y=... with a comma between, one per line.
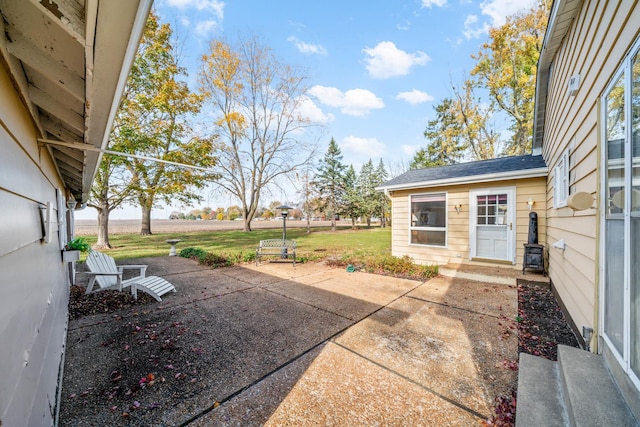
x=376, y=68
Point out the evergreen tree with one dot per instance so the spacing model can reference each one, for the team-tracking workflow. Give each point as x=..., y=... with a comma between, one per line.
x=366, y=188
x=353, y=198
x=384, y=204
x=330, y=181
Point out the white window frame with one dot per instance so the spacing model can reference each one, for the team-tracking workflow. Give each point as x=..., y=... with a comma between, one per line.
x=561, y=181
x=423, y=228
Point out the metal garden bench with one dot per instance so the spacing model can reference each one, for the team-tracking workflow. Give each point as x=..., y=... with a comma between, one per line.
x=284, y=249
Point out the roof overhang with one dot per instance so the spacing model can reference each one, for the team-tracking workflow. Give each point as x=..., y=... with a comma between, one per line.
x=70, y=60
x=476, y=179
x=560, y=19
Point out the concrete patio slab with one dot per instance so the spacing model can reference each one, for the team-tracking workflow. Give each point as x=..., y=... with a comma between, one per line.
x=281, y=345
x=351, y=295
x=455, y=353
x=359, y=393
x=480, y=297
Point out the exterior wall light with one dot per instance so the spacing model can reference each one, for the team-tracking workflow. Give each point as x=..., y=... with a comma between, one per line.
x=530, y=203
x=458, y=208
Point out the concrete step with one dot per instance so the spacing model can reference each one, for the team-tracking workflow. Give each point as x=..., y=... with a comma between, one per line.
x=591, y=395
x=539, y=393
x=577, y=390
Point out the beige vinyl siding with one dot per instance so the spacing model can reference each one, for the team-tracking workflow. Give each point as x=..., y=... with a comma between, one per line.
x=34, y=285
x=457, y=250
x=601, y=35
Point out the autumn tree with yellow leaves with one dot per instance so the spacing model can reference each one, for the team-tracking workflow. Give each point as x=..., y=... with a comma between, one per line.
x=154, y=121
x=506, y=67
x=257, y=103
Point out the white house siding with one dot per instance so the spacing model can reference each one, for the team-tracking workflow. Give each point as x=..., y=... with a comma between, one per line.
x=457, y=250
x=600, y=36
x=33, y=284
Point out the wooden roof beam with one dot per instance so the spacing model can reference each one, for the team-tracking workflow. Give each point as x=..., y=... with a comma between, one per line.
x=69, y=14
x=46, y=65
x=57, y=109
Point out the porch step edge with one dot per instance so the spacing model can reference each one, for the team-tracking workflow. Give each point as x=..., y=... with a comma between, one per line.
x=591, y=395
x=539, y=393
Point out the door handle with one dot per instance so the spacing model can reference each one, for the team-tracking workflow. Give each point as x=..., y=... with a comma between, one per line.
x=510, y=226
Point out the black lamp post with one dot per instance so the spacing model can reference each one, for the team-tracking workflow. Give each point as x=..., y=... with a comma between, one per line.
x=284, y=211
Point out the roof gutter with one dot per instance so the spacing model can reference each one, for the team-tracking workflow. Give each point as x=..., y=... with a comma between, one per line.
x=490, y=177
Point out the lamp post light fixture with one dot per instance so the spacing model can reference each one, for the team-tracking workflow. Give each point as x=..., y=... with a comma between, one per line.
x=284, y=211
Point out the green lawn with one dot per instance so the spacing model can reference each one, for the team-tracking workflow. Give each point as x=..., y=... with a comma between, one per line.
x=321, y=243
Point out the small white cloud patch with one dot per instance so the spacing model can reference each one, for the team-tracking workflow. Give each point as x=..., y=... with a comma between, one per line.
x=354, y=102
x=414, y=97
x=314, y=49
x=369, y=147
x=386, y=60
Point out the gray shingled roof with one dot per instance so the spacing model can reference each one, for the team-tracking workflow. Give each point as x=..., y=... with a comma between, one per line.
x=510, y=167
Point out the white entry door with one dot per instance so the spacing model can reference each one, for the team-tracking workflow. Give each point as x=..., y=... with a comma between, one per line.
x=492, y=224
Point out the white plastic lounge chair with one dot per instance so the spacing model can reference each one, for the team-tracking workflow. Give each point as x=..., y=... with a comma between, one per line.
x=105, y=272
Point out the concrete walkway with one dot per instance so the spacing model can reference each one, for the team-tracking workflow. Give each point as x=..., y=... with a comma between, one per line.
x=312, y=345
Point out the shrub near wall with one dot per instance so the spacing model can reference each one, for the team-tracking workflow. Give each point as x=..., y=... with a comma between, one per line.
x=381, y=264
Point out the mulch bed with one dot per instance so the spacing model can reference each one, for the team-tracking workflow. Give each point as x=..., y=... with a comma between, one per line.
x=108, y=301
x=541, y=327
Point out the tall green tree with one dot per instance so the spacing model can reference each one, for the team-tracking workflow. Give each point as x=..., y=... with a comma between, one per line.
x=366, y=187
x=330, y=181
x=154, y=120
x=384, y=204
x=258, y=102
x=445, y=144
x=353, y=198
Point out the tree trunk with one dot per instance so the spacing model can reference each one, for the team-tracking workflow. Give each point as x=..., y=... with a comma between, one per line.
x=145, y=229
x=247, y=224
x=103, y=229
x=353, y=223
x=333, y=222
x=368, y=221
x=308, y=224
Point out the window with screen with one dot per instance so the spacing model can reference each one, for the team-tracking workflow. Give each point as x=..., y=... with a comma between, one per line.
x=429, y=219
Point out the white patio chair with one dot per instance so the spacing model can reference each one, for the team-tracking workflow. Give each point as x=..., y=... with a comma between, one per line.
x=104, y=271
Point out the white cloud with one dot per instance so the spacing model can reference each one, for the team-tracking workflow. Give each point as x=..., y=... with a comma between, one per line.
x=472, y=30
x=309, y=110
x=211, y=12
x=354, y=102
x=216, y=6
x=386, y=60
x=429, y=3
x=415, y=97
x=370, y=147
x=497, y=12
x=410, y=150
x=204, y=27
x=307, y=47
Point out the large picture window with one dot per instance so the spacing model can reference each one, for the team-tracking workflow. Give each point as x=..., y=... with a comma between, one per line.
x=429, y=219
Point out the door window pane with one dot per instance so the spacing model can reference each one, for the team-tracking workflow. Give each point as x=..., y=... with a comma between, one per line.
x=492, y=209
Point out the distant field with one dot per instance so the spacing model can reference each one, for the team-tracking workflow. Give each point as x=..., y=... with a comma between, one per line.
x=88, y=227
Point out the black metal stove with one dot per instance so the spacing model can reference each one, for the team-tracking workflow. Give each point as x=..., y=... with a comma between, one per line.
x=533, y=252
